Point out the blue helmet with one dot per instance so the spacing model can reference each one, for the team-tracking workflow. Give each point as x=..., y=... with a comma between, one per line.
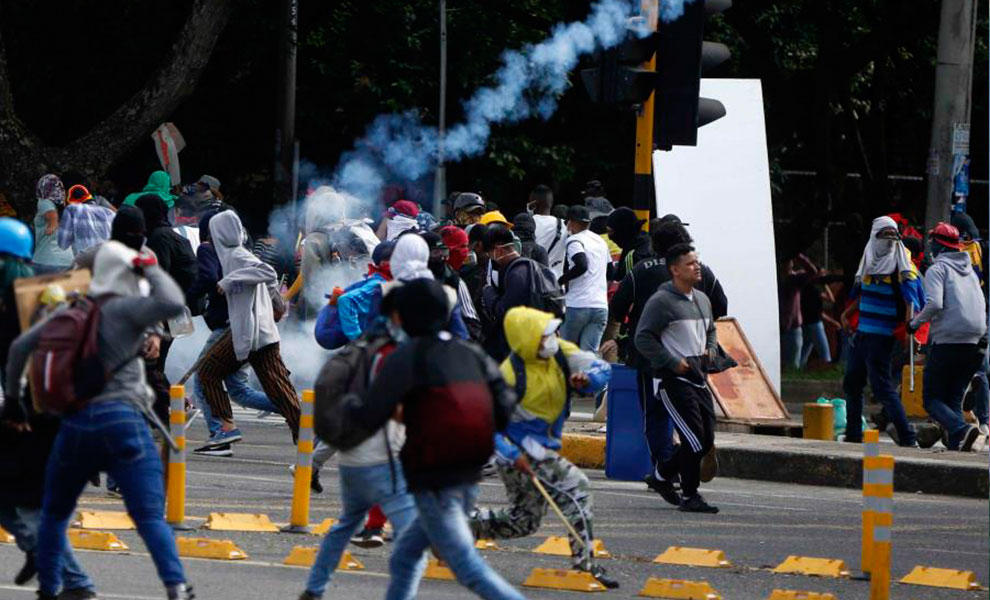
x=15, y=238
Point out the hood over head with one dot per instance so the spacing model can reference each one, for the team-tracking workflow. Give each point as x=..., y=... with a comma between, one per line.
x=960, y=262
x=423, y=305
x=409, y=259
x=113, y=271
x=324, y=207
x=625, y=226
x=50, y=188
x=155, y=211
x=965, y=224
x=883, y=257
x=159, y=184
x=524, y=226
x=525, y=327
x=128, y=227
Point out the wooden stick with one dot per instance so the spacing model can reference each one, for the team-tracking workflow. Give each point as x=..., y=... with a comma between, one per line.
x=556, y=509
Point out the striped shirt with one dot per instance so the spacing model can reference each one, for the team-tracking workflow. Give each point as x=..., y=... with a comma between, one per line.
x=878, y=305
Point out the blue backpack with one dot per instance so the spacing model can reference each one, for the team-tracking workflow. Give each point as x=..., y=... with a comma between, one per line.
x=328, y=331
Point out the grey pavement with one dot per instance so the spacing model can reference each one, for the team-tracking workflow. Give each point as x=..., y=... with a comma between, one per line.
x=761, y=523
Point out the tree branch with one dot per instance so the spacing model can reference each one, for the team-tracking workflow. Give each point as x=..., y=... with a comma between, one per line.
x=174, y=81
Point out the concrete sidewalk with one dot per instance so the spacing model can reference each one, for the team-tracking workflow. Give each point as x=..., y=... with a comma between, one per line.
x=812, y=462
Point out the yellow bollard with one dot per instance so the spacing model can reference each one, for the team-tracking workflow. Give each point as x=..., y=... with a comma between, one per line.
x=871, y=449
x=882, y=522
x=299, y=520
x=175, y=512
x=819, y=421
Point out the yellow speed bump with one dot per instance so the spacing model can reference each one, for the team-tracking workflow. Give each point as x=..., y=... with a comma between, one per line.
x=207, y=548
x=799, y=595
x=560, y=546
x=678, y=589
x=437, y=569
x=563, y=579
x=5, y=537
x=819, y=567
x=945, y=578
x=486, y=545
x=305, y=556
x=105, y=519
x=239, y=522
x=323, y=527
x=95, y=540
x=693, y=557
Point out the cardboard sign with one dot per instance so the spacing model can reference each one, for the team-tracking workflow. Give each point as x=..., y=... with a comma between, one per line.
x=168, y=143
x=28, y=290
x=744, y=392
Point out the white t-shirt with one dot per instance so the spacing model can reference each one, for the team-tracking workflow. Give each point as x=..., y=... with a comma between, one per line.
x=546, y=230
x=591, y=289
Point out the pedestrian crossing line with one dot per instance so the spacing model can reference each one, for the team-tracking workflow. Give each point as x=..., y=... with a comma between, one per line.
x=31, y=592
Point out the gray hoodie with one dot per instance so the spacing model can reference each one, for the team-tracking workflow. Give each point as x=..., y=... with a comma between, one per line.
x=953, y=301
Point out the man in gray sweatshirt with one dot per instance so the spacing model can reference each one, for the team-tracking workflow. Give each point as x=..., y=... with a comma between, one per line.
x=676, y=334
x=955, y=307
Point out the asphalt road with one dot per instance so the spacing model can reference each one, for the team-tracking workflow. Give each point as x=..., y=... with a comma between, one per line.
x=759, y=526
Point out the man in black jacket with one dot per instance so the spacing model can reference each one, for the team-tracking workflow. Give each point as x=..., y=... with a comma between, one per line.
x=512, y=287
x=452, y=399
x=625, y=228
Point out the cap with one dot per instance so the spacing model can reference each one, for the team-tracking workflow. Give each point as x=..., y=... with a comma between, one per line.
x=671, y=217
x=468, y=201
x=947, y=235
x=579, y=213
x=598, y=206
x=209, y=181
x=433, y=240
x=78, y=194
x=493, y=217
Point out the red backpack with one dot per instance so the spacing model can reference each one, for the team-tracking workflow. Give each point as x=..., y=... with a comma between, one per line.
x=66, y=368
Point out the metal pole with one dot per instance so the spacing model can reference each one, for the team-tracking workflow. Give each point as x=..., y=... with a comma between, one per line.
x=440, y=179
x=949, y=146
x=286, y=132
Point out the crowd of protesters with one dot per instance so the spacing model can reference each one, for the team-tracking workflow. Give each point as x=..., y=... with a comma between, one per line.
x=910, y=293
x=466, y=326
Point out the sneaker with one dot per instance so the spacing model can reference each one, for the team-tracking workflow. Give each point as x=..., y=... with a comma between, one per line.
x=368, y=538
x=314, y=482
x=77, y=594
x=180, y=591
x=308, y=596
x=929, y=434
x=697, y=504
x=224, y=436
x=970, y=439
x=264, y=414
x=598, y=572
x=490, y=469
x=984, y=429
x=221, y=450
x=709, y=465
x=43, y=596
x=28, y=571
x=663, y=487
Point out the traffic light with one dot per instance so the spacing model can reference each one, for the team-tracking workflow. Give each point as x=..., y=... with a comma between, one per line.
x=618, y=76
x=682, y=58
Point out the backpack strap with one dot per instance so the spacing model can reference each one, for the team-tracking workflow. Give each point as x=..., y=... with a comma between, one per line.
x=565, y=369
x=519, y=368
x=556, y=236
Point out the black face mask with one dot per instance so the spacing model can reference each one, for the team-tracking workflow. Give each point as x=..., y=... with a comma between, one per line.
x=436, y=266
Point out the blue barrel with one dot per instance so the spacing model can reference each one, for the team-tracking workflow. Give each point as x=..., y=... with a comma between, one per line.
x=627, y=457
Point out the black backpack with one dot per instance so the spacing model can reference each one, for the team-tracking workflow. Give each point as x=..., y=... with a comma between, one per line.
x=344, y=378
x=544, y=291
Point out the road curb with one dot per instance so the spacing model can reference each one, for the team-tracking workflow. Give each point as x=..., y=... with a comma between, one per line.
x=922, y=475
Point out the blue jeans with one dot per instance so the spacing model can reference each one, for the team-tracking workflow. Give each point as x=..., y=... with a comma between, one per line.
x=442, y=523
x=584, y=327
x=948, y=370
x=790, y=348
x=23, y=524
x=360, y=489
x=981, y=392
x=111, y=437
x=813, y=337
x=869, y=359
x=237, y=388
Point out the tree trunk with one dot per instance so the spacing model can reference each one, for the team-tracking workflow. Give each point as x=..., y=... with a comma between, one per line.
x=24, y=157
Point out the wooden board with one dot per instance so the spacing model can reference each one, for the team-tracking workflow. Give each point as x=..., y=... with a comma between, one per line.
x=27, y=291
x=746, y=391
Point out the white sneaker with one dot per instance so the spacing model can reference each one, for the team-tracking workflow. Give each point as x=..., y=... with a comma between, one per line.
x=984, y=429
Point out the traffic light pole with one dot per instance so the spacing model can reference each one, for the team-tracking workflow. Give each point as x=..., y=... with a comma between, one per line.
x=644, y=198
